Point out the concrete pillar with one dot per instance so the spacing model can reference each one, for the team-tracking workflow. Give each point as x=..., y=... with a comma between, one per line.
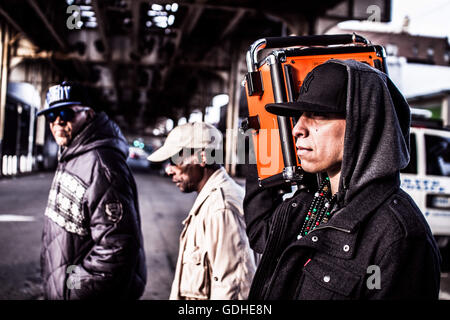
x=232, y=105
x=234, y=90
x=4, y=60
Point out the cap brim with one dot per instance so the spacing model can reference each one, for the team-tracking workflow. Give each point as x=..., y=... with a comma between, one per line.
x=58, y=106
x=293, y=109
x=164, y=153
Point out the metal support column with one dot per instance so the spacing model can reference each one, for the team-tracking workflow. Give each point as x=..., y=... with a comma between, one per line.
x=232, y=115
x=4, y=59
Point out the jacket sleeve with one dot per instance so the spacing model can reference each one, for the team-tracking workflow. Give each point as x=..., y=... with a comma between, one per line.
x=259, y=207
x=108, y=267
x=408, y=270
x=230, y=258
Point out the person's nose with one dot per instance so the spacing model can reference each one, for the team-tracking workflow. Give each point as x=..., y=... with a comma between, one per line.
x=59, y=121
x=300, y=128
x=169, y=170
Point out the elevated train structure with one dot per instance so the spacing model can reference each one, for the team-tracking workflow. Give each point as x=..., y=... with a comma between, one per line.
x=148, y=61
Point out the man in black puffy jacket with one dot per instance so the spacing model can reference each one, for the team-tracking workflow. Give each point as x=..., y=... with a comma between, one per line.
x=92, y=241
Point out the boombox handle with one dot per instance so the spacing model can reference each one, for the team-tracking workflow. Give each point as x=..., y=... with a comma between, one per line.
x=298, y=41
x=291, y=172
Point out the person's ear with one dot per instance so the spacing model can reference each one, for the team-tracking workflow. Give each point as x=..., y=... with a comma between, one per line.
x=90, y=114
x=203, y=158
x=194, y=158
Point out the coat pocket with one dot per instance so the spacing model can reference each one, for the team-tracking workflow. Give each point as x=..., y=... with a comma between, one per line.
x=324, y=281
x=195, y=282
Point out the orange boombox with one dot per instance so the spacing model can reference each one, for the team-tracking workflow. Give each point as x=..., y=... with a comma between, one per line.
x=277, y=78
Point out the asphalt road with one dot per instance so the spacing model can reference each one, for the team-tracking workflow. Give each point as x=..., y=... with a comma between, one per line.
x=22, y=205
x=162, y=207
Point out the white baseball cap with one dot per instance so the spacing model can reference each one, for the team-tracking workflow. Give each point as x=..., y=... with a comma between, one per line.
x=197, y=135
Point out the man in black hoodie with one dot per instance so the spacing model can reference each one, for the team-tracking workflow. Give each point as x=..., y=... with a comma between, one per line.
x=355, y=234
x=92, y=241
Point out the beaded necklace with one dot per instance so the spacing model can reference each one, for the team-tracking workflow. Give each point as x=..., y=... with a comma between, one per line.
x=320, y=210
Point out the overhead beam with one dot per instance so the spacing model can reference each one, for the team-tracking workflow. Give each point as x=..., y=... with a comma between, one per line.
x=84, y=71
x=45, y=55
x=135, y=18
x=188, y=25
x=192, y=19
x=12, y=22
x=239, y=15
x=102, y=28
x=215, y=6
x=20, y=30
x=47, y=24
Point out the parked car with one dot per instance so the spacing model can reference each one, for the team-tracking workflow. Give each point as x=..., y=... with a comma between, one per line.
x=427, y=179
x=137, y=156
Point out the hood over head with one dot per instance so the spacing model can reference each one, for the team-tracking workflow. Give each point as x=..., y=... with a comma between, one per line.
x=101, y=132
x=378, y=119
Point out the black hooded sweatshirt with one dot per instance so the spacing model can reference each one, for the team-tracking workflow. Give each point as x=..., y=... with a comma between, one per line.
x=377, y=245
x=92, y=243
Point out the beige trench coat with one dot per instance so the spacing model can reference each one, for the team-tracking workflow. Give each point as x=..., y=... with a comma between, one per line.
x=215, y=260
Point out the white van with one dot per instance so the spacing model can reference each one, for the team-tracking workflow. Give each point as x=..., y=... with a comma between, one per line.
x=427, y=179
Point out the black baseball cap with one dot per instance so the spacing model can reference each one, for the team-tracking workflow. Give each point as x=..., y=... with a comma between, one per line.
x=64, y=95
x=324, y=90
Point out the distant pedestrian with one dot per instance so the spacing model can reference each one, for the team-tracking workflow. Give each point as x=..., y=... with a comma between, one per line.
x=215, y=260
x=92, y=244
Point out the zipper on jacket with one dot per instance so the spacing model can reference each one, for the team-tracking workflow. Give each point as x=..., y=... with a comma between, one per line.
x=331, y=227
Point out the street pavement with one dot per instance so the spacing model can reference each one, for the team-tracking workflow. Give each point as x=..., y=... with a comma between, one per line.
x=162, y=208
x=22, y=203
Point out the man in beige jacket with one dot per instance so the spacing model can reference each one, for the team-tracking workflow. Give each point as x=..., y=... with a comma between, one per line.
x=215, y=260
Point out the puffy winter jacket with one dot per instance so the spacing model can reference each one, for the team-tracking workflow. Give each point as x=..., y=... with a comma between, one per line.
x=92, y=241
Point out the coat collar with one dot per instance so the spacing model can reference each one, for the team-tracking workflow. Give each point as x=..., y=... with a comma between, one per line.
x=339, y=236
x=364, y=203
